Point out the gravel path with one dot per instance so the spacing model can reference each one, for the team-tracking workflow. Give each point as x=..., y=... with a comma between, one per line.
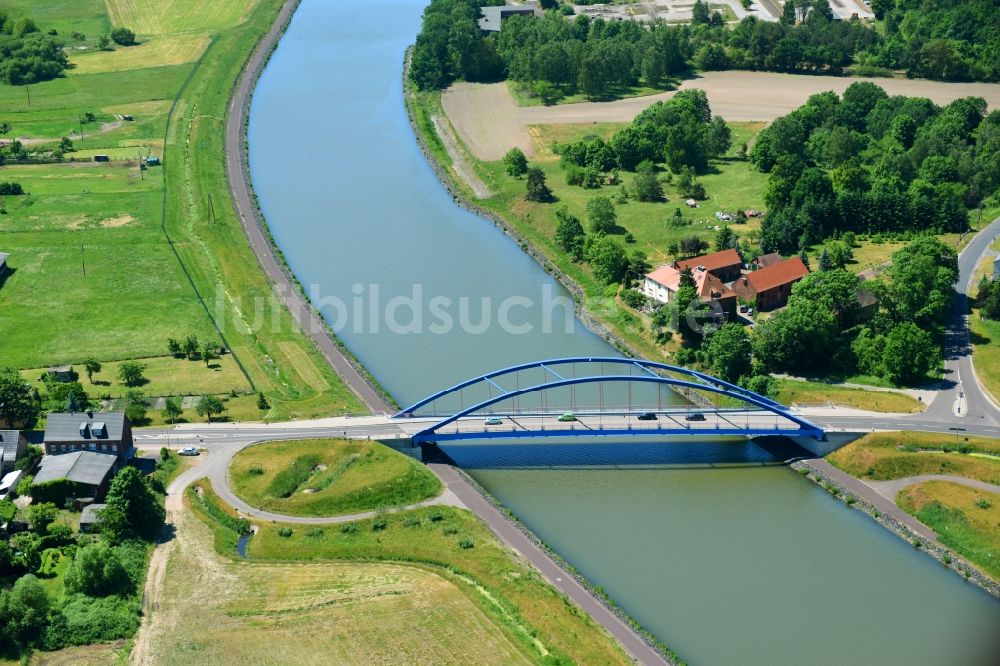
x=890, y=489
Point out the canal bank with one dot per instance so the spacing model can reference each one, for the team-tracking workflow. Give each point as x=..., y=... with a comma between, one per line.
x=376, y=213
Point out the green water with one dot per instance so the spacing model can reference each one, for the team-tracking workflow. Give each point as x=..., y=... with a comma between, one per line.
x=730, y=566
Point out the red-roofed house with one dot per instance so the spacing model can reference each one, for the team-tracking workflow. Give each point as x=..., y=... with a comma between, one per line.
x=663, y=283
x=770, y=287
x=725, y=265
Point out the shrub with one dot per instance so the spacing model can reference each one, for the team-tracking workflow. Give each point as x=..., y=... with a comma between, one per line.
x=287, y=481
x=11, y=189
x=449, y=530
x=379, y=524
x=436, y=517
x=411, y=521
x=466, y=543
x=315, y=533
x=983, y=503
x=123, y=36
x=285, y=532
x=348, y=528
x=255, y=470
x=850, y=499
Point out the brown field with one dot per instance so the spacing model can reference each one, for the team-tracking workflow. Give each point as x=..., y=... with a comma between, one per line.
x=490, y=123
x=170, y=16
x=214, y=610
x=163, y=50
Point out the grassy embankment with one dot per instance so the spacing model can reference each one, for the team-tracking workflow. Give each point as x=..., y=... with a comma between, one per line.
x=731, y=185
x=328, y=477
x=480, y=595
x=805, y=393
x=966, y=520
x=985, y=337
x=109, y=261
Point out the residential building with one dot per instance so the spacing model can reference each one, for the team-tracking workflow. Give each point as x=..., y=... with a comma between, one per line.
x=90, y=473
x=493, y=17
x=12, y=446
x=663, y=283
x=725, y=265
x=9, y=481
x=770, y=287
x=107, y=432
x=765, y=260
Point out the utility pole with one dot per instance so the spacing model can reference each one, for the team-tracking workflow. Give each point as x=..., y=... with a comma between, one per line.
x=83, y=260
x=211, y=208
x=27, y=88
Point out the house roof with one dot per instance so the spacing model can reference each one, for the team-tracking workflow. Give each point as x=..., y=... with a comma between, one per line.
x=778, y=274
x=8, y=443
x=492, y=17
x=714, y=261
x=765, y=260
x=89, y=514
x=89, y=467
x=66, y=426
x=704, y=282
x=3, y=258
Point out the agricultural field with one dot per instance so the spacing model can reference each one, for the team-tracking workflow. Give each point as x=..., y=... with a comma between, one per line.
x=108, y=261
x=214, y=609
x=966, y=520
x=525, y=618
x=894, y=455
x=328, y=477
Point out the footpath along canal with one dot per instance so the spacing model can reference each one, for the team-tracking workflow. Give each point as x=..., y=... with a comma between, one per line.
x=729, y=559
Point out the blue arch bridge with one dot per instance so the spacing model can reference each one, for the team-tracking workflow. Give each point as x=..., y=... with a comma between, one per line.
x=599, y=396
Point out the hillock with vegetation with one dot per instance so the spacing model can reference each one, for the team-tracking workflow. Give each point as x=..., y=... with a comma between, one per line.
x=558, y=55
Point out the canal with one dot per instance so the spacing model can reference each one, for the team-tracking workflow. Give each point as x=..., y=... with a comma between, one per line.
x=727, y=558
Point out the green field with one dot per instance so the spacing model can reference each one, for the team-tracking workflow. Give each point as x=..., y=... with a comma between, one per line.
x=528, y=610
x=985, y=337
x=810, y=393
x=335, y=477
x=109, y=262
x=966, y=520
x=894, y=455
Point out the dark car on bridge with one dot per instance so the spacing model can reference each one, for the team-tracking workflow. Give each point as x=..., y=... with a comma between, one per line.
x=696, y=416
x=647, y=416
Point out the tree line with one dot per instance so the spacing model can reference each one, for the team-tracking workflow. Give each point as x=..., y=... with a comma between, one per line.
x=557, y=55
x=870, y=163
x=26, y=54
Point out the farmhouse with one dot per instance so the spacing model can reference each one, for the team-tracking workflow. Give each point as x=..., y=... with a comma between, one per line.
x=493, y=17
x=12, y=445
x=770, y=287
x=725, y=265
x=107, y=432
x=87, y=473
x=663, y=283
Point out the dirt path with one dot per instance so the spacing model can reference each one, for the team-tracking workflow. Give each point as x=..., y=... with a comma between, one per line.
x=890, y=489
x=489, y=121
x=458, y=161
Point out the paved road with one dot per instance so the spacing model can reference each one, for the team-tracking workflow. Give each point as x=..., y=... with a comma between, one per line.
x=959, y=372
x=890, y=489
x=238, y=173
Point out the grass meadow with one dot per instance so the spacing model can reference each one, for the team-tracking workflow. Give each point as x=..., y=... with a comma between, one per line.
x=328, y=477
x=108, y=262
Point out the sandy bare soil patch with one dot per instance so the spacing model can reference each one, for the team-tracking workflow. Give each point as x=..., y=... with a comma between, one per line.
x=458, y=161
x=490, y=123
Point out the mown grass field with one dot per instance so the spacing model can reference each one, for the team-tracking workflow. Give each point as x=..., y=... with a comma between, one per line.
x=328, y=477
x=163, y=252
x=514, y=597
x=966, y=520
x=791, y=391
x=220, y=610
x=894, y=455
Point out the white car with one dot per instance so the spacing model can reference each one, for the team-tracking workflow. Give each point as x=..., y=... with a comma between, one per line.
x=188, y=451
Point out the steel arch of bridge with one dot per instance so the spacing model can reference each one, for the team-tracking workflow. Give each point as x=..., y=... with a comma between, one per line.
x=702, y=382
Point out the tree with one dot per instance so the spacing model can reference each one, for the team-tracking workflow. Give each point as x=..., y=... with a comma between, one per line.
x=209, y=405
x=90, y=366
x=29, y=461
x=690, y=246
x=103, y=43
x=135, y=406
x=725, y=239
x=191, y=347
x=647, y=186
x=208, y=353
x=41, y=516
x=569, y=234
x=515, y=163
x=262, y=404
x=97, y=572
x=537, y=189
x=607, y=258
x=700, y=13
x=800, y=339
x=729, y=352
x=123, y=37
x=601, y=215
x=24, y=612
x=908, y=355
x=172, y=410
x=174, y=347
x=130, y=373
x=133, y=509
x=18, y=402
